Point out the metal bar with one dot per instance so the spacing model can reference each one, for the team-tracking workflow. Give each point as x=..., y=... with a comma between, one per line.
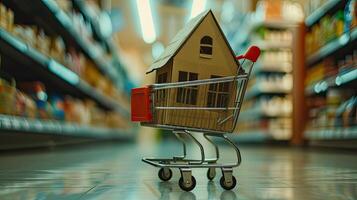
x=190, y=165
x=193, y=108
x=199, y=145
x=182, y=141
x=215, y=146
x=197, y=82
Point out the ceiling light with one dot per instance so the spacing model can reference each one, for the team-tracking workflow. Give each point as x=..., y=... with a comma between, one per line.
x=198, y=6
x=146, y=21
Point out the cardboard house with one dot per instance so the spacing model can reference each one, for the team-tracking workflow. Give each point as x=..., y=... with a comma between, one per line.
x=199, y=51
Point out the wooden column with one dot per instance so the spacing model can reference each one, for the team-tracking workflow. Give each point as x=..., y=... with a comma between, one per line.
x=299, y=104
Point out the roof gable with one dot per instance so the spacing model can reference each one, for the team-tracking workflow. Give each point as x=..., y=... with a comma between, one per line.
x=181, y=37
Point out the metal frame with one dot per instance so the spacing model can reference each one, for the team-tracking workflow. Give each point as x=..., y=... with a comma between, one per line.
x=182, y=162
x=186, y=182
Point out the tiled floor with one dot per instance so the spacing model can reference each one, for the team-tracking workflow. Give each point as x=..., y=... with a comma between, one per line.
x=114, y=171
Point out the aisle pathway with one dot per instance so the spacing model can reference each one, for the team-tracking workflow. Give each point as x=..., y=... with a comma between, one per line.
x=114, y=171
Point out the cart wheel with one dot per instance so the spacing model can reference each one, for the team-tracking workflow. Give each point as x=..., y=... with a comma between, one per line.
x=228, y=186
x=211, y=173
x=165, y=174
x=186, y=187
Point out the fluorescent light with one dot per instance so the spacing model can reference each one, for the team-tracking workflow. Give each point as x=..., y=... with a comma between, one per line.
x=146, y=20
x=198, y=6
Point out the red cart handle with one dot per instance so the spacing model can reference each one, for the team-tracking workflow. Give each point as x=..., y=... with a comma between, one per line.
x=252, y=54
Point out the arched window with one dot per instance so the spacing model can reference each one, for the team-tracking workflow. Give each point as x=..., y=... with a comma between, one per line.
x=206, y=46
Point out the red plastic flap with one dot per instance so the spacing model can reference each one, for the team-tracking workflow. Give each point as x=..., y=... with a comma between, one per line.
x=140, y=105
x=252, y=54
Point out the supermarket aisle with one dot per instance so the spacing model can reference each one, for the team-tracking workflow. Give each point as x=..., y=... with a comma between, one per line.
x=114, y=171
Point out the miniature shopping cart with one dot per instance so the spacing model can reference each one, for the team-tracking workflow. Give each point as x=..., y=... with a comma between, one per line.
x=209, y=106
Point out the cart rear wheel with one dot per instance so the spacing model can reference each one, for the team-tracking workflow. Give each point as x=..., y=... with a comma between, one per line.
x=211, y=173
x=165, y=174
x=228, y=186
x=187, y=187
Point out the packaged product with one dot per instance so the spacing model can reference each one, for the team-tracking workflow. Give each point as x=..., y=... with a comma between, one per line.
x=57, y=104
x=3, y=16
x=37, y=91
x=350, y=15
x=7, y=97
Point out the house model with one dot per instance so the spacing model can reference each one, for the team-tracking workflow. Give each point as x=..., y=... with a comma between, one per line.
x=198, y=51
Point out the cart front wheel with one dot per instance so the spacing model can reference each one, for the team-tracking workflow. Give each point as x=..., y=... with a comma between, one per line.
x=228, y=185
x=165, y=174
x=211, y=173
x=187, y=187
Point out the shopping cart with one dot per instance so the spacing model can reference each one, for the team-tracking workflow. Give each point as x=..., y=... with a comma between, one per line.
x=213, y=115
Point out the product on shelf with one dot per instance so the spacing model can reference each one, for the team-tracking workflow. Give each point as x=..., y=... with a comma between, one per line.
x=6, y=18
x=350, y=15
x=31, y=100
x=337, y=109
x=280, y=10
x=57, y=104
x=331, y=27
x=25, y=106
x=37, y=91
x=7, y=97
x=329, y=68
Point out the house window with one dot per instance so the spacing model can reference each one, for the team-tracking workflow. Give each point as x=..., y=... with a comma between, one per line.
x=187, y=95
x=162, y=78
x=206, y=46
x=161, y=94
x=218, y=94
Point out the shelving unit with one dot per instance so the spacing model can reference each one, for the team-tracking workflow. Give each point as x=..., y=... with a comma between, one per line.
x=55, y=21
x=57, y=128
x=328, y=7
x=81, y=7
x=335, y=76
x=332, y=47
x=333, y=81
x=24, y=62
x=261, y=89
x=258, y=112
x=258, y=90
x=334, y=133
x=59, y=75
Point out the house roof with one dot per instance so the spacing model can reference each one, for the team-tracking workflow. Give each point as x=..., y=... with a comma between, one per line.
x=180, y=39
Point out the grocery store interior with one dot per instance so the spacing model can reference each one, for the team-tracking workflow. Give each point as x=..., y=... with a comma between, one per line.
x=72, y=127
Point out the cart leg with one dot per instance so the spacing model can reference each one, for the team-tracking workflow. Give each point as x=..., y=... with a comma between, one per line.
x=200, y=146
x=178, y=136
x=187, y=182
x=228, y=181
x=215, y=148
x=211, y=172
x=235, y=147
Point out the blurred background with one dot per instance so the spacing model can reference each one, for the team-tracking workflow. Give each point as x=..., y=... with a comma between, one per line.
x=67, y=68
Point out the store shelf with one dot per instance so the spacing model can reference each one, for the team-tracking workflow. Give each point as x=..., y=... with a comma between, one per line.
x=321, y=11
x=269, y=45
x=57, y=128
x=243, y=35
x=339, y=80
x=261, y=89
x=56, y=21
x=332, y=47
x=251, y=136
x=80, y=6
x=260, y=135
x=54, y=72
x=257, y=112
x=337, y=133
x=270, y=67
